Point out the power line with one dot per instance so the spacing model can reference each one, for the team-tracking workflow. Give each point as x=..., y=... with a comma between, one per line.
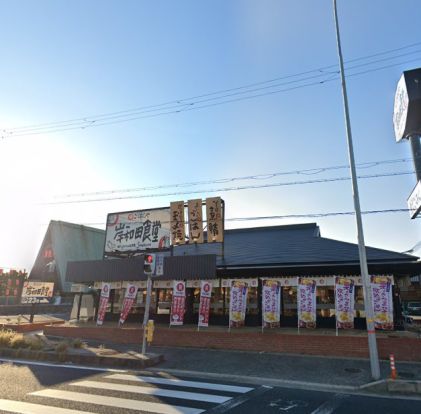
x=178, y=101
x=265, y=176
x=229, y=189
x=289, y=216
x=186, y=104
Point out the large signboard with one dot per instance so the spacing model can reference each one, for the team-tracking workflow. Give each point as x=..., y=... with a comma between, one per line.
x=414, y=201
x=400, y=110
x=306, y=297
x=271, y=303
x=178, y=303
x=135, y=231
x=344, y=303
x=381, y=290
x=37, y=292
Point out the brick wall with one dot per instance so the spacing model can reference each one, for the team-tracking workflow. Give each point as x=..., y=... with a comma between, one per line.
x=405, y=349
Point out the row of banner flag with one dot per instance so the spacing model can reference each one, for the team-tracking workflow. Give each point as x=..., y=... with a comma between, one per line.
x=381, y=290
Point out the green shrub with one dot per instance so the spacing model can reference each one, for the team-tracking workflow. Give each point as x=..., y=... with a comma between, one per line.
x=34, y=343
x=62, y=347
x=17, y=341
x=77, y=343
x=5, y=337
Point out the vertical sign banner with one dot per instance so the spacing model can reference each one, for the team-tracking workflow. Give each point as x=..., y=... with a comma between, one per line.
x=129, y=298
x=205, y=299
x=159, y=265
x=271, y=303
x=214, y=220
x=344, y=303
x=178, y=229
x=238, y=303
x=178, y=303
x=195, y=221
x=103, y=302
x=381, y=291
x=306, y=297
x=135, y=231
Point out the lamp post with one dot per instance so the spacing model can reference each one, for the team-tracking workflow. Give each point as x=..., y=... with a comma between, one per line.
x=372, y=344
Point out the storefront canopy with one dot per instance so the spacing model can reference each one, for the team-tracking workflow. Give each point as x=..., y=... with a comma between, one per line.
x=111, y=270
x=114, y=270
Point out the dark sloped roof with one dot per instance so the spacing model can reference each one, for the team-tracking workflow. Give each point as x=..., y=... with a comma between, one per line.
x=69, y=242
x=287, y=245
x=291, y=246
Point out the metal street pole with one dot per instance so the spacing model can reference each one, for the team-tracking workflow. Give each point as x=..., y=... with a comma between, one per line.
x=146, y=315
x=372, y=345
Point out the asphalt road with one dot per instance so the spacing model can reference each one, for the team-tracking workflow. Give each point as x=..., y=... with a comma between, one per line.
x=42, y=389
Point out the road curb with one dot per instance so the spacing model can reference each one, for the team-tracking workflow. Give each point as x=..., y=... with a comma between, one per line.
x=260, y=380
x=135, y=361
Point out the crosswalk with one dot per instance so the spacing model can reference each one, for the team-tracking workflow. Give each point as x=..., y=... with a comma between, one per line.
x=115, y=393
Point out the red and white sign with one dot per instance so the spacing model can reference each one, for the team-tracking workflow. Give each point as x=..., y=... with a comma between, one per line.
x=129, y=298
x=205, y=299
x=178, y=303
x=103, y=302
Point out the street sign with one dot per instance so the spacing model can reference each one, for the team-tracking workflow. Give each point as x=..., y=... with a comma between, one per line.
x=159, y=265
x=414, y=201
x=406, y=113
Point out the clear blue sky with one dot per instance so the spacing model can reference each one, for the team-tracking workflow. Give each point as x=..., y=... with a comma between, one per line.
x=62, y=60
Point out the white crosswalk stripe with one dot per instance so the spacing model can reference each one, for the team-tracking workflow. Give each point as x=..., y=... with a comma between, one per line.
x=117, y=402
x=21, y=407
x=153, y=391
x=181, y=383
x=147, y=386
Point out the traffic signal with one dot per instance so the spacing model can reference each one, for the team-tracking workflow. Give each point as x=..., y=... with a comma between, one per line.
x=149, y=265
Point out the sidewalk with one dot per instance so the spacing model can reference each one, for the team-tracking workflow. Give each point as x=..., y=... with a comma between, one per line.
x=310, y=369
x=406, y=346
x=275, y=369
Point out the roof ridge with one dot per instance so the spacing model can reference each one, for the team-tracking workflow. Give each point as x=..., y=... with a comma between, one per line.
x=74, y=225
x=298, y=226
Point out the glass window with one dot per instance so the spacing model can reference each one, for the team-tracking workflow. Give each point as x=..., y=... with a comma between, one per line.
x=252, y=301
x=217, y=301
x=164, y=301
x=289, y=300
x=325, y=300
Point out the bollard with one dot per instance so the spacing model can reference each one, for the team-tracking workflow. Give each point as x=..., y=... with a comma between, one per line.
x=393, y=372
x=150, y=329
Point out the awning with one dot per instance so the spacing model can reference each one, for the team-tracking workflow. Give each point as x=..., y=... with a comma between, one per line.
x=110, y=270
x=201, y=266
x=114, y=270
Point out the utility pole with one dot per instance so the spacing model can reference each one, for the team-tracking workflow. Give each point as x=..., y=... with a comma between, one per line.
x=368, y=307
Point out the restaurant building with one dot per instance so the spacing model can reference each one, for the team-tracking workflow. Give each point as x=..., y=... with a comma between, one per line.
x=281, y=253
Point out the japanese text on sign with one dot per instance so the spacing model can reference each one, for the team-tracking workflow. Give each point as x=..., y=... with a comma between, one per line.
x=138, y=230
x=195, y=221
x=37, y=292
x=178, y=232
x=215, y=224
